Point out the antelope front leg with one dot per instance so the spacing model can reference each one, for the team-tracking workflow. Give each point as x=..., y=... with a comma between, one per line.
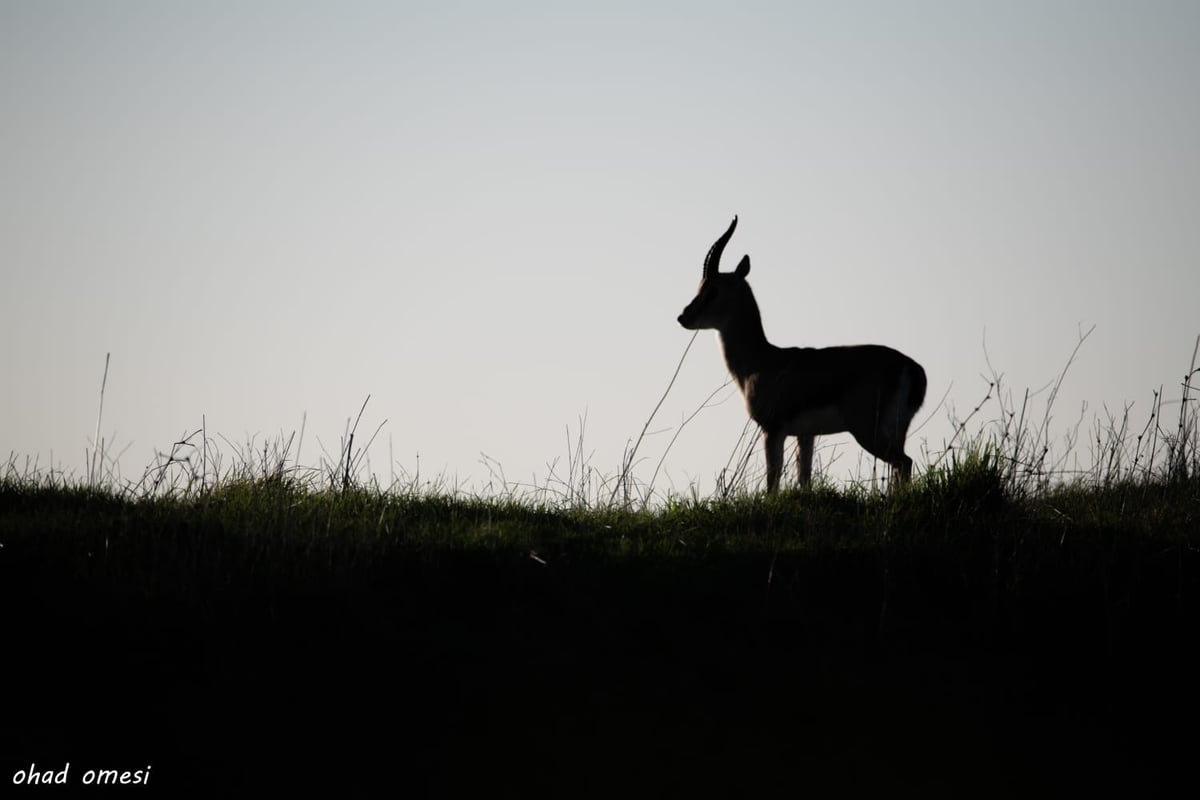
x=804, y=457
x=773, y=444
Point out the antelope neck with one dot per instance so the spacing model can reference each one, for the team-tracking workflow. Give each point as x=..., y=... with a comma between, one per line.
x=745, y=345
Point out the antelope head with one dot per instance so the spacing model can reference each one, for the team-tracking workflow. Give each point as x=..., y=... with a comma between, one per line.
x=723, y=296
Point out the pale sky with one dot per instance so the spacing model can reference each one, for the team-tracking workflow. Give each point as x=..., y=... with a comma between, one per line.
x=487, y=216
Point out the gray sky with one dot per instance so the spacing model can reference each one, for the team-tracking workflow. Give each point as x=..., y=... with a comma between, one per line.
x=487, y=216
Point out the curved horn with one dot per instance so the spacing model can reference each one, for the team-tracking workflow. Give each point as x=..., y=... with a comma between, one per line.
x=713, y=260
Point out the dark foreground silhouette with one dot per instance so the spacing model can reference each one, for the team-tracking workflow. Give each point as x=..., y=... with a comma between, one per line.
x=451, y=671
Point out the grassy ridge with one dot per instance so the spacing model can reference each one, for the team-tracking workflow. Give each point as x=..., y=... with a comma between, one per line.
x=950, y=637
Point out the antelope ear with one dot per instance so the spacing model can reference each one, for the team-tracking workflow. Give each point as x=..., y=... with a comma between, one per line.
x=743, y=267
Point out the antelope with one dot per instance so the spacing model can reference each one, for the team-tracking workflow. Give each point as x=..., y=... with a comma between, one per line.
x=869, y=390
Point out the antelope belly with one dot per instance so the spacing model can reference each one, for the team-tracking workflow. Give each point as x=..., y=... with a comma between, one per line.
x=816, y=421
